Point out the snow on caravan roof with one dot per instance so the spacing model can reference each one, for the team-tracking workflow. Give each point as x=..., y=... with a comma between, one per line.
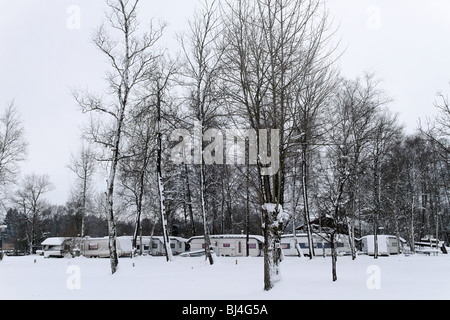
x=230, y=236
x=161, y=238
x=53, y=241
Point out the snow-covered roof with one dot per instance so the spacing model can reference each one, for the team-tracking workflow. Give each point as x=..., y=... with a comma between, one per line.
x=53, y=241
x=230, y=236
x=382, y=237
x=180, y=239
x=161, y=238
x=292, y=235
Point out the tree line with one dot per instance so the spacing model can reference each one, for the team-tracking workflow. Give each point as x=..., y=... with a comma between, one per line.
x=342, y=155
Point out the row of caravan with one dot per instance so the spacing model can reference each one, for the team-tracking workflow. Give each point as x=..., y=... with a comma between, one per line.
x=99, y=247
x=235, y=245
x=227, y=245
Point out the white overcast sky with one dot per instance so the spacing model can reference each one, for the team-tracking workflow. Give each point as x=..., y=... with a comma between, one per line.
x=404, y=42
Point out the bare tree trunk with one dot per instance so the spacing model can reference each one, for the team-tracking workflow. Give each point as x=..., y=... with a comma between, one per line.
x=205, y=218
x=293, y=209
x=333, y=258
x=151, y=239
x=113, y=256
x=167, y=248
x=189, y=201
x=411, y=226
x=247, y=211
x=162, y=207
x=306, y=205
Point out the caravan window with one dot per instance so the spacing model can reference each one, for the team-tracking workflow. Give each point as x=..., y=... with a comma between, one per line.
x=226, y=245
x=285, y=246
x=252, y=245
x=93, y=246
x=172, y=245
x=155, y=245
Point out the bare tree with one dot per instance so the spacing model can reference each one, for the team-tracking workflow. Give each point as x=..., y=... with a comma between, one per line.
x=131, y=56
x=332, y=201
x=30, y=203
x=83, y=165
x=135, y=170
x=438, y=128
x=310, y=101
x=271, y=47
x=161, y=80
x=203, y=59
x=357, y=104
x=386, y=129
x=12, y=146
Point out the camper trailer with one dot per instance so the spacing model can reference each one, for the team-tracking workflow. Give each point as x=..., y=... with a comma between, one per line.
x=321, y=247
x=387, y=245
x=229, y=245
x=99, y=247
x=56, y=247
x=177, y=244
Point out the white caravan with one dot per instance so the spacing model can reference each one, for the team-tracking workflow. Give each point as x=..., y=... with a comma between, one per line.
x=177, y=244
x=321, y=247
x=387, y=245
x=99, y=247
x=57, y=247
x=229, y=245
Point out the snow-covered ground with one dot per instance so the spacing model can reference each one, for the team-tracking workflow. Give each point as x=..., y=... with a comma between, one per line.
x=150, y=278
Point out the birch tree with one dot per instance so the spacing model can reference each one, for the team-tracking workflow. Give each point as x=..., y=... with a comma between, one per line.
x=202, y=67
x=131, y=55
x=135, y=170
x=161, y=82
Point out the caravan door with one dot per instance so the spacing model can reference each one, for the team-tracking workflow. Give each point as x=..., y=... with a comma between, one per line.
x=239, y=248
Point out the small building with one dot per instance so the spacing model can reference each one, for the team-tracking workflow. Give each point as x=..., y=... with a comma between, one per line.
x=321, y=246
x=230, y=245
x=387, y=245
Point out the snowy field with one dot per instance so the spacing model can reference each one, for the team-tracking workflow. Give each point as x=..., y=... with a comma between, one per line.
x=152, y=278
